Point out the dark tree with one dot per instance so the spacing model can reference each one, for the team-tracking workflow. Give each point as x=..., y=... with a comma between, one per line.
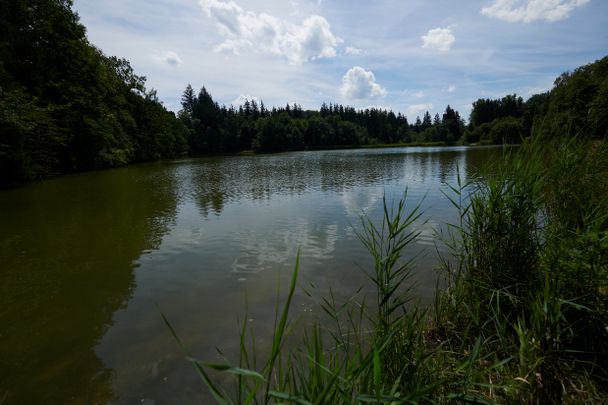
x=65, y=106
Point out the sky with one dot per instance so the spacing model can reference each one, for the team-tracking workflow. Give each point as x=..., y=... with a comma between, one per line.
x=405, y=55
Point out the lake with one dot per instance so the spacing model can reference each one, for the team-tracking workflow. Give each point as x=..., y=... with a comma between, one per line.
x=89, y=261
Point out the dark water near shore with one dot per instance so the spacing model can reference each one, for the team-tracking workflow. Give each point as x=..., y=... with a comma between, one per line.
x=88, y=261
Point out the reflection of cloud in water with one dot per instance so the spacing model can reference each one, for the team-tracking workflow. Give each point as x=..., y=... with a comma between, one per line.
x=427, y=232
x=361, y=201
x=315, y=241
x=217, y=181
x=214, y=182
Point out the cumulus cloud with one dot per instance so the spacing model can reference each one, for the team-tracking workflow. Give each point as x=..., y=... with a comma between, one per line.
x=351, y=50
x=359, y=83
x=451, y=88
x=531, y=10
x=376, y=107
x=417, y=109
x=240, y=100
x=299, y=43
x=298, y=4
x=169, y=58
x=440, y=39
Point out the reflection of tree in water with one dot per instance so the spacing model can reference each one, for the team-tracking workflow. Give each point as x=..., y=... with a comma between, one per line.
x=218, y=181
x=67, y=250
x=485, y=158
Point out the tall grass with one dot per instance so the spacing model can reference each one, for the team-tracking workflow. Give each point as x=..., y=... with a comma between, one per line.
x=530, y=272
x=523, y=317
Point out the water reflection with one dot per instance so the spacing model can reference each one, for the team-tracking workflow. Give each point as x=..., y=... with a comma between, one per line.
x=219, y=181
x=88, y=260
x=315, y=241
x=215, y=182
x=67, y=250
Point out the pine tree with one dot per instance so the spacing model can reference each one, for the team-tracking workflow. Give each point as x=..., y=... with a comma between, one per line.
x=436, y=120
x=188, y=102
x=418, y=124
x=254, y=110
x=247, y=108
x=263, y=111
x=426, y=121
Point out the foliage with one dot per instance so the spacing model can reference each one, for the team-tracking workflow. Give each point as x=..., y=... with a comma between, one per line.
x=502, y=121
x=529, y=271
x=30, y=139
x=576, y=106
x=212, y=128
x=507, y=130
x=578, y=103
x=487, y=110
x=64, y=106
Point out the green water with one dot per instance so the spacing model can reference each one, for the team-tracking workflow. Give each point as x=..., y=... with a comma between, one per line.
x=88, y=261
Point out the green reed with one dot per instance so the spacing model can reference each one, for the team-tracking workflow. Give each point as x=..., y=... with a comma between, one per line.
x=523, y=316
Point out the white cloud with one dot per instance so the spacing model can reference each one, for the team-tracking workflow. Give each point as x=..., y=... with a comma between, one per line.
x=451, y=88
x=359, y=83
x=240, y=100
x=297, y=4
x=312, y=39
x=375, y=107
x=412, y=93
x=440, y=39
x=531, y=10
x=417, y=109
x=169, y=58
x=351, y=50
x=539, y=90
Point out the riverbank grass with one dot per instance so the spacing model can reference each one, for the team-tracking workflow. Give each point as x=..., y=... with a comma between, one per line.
x=523, y=317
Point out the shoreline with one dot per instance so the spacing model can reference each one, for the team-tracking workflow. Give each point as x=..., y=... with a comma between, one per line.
x=9, y=186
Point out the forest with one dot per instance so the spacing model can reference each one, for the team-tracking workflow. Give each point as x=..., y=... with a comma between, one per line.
x=66, y=107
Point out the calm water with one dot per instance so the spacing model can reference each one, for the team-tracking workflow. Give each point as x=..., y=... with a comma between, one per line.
x=89, y=261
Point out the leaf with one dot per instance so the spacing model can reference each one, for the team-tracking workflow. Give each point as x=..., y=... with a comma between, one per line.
x=235, y=370
x=215, y=392
x=288, y=397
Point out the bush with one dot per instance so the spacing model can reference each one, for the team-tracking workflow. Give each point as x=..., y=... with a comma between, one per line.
x=507, y=130
x=529, y=271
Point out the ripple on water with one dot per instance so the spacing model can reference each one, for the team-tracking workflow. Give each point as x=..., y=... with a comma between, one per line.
x=97, y=254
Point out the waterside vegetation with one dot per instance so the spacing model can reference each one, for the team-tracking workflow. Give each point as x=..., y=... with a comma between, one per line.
x=522, y=316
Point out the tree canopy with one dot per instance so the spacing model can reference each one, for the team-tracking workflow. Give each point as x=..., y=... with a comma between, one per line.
x=65, y=106
x=577, y=105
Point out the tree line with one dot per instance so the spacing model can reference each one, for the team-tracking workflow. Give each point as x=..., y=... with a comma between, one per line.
x=577, y=105
x=215, y=128
x=67, y=107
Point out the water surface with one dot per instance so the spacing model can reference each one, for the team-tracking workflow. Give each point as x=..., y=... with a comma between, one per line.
x=88, y=261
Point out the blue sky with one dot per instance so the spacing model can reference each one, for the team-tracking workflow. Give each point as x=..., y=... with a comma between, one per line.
x=407, y=55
